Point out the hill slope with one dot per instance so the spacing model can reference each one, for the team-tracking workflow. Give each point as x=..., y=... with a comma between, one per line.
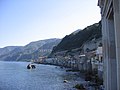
x=30, y=51
x=73, y=41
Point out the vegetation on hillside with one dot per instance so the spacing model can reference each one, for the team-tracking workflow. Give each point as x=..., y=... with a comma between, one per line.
x=73, y=41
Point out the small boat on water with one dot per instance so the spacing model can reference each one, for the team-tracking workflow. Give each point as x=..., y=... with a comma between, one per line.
x=31, y=66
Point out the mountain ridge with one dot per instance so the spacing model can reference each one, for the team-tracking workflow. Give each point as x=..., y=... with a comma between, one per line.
x=25, y=52
x=73, y=41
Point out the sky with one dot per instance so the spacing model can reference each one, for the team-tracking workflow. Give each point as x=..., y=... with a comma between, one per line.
x=23, y=21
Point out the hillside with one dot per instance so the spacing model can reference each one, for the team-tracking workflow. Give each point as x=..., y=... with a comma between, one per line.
x=8, y=49
x=29, y=51
x=74, y=41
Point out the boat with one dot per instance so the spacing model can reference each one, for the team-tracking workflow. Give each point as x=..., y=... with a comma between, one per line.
x=31, y=66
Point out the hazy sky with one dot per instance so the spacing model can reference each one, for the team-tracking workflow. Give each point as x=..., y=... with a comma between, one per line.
x=23, y=21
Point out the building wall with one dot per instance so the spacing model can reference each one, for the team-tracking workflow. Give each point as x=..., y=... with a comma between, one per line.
x=116, y=4
x=110, y=12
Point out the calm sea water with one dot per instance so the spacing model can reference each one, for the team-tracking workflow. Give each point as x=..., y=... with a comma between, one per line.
x=15, y=76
